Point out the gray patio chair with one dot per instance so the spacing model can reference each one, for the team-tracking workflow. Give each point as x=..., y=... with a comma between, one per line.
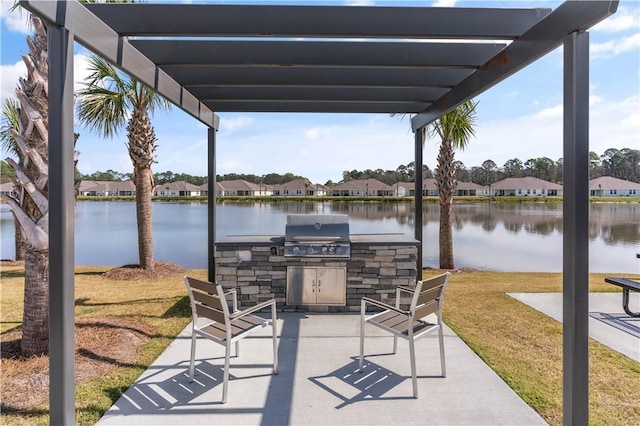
x=427, y=298
x=213, y=319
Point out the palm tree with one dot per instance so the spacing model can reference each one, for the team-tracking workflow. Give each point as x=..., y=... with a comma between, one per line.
x=11, y=120
x=454, y=130
x=108, y=102
x=27, y=134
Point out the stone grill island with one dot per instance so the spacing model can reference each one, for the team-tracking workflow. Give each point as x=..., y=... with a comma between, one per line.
x=257, y=266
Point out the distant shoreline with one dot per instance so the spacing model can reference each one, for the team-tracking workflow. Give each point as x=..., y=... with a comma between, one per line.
x=370, y=199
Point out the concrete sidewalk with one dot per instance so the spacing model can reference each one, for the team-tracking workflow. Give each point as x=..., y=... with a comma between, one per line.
x=608, y=323
x=318, y=384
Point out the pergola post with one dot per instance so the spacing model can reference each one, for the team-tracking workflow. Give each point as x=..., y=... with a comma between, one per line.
x=211, y=203
x=61, y=222
x=419, y=139
x=575, y=230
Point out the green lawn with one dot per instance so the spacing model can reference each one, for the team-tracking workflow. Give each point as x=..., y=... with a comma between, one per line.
x=522, y=345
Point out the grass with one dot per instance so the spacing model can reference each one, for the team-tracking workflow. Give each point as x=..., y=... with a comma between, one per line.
x=525, y=347
x=522, y=345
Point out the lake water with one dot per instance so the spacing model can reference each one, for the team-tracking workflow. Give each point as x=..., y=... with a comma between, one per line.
x=515, y=237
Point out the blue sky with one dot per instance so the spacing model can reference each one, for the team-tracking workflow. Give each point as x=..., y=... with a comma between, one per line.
x=519, y=118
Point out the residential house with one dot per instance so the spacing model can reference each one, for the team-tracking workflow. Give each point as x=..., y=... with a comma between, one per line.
x=299, y=188
x=107, y=188
x=429, y=188
x=403, y=189
x=363, y=188
x=471, y=189
x=607, y=186
x=525, y=187
x=243, y=188
x=6, y=189
x=204, y=189
x=177, y=189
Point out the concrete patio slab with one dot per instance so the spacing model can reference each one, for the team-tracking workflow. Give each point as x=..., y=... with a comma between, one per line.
x=608, y=323
x=318, y=384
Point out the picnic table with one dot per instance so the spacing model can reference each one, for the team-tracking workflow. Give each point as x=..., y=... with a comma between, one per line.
x=627, y=285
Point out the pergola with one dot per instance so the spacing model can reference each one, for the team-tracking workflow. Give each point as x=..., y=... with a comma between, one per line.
x=421, y=61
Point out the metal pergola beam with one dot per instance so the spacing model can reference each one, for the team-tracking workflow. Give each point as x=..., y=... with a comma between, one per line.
x=541, y=39
x=317, y=53
x=318, y=107
x=317, y=21
x=575, y=211
x=302, y=93
x=98, y=37
x=204, y=76
x=61, y=228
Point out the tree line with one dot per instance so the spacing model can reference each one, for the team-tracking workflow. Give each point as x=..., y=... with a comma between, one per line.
x=619, y=163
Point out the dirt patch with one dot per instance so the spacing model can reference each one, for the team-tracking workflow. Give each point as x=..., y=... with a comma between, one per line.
x=135, y=272
x=102, y=344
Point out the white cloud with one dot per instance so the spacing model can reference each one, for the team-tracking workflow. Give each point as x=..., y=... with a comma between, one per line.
x=612, y=123
x=360, y=3
x=231, y=124
x=445, y=3
x=9, y=75
x=615, y=47
x=16, y=20
x=312, y=133
x=80, y=70
x=622, y=20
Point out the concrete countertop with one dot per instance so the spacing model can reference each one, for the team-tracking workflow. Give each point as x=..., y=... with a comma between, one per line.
x=396, y=239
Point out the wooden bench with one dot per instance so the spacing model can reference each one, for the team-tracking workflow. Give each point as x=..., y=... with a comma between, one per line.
x=627, y=285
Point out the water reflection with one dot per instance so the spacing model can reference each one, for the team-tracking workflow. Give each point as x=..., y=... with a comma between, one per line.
x=508, y=237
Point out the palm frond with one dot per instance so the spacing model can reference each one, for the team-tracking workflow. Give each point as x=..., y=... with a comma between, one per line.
x=10, y=120
x=457, y=125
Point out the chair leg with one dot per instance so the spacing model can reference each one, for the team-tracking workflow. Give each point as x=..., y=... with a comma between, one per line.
x=361, y=338
x=225, y=376
x=395, y=344
x=237, y=348
x=193, y=355
x=274, y=328
x=414, y=379
x=442, y=360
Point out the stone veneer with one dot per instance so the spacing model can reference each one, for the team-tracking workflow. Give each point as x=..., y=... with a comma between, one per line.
x=259, y=272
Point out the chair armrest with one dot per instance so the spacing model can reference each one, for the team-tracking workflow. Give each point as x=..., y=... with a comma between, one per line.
x=234, y=299
x=383, y=305
x=407, y=289
x=240, y=314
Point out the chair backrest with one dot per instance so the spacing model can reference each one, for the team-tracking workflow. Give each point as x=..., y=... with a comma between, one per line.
x=207, y=300
x=429, y=296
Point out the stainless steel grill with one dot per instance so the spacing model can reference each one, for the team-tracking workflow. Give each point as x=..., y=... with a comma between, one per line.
x=308, y=235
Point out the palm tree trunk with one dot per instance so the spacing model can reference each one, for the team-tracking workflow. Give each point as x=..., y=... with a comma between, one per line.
x=142, y=148
x=35, y=319
x=446, y=186
x=144, y=190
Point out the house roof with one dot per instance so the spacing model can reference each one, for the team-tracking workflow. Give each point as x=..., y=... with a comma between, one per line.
x=241, y=185
x=179, y=186
x=430, y=184
x=524, y=183
x=608, y=182
x=209, y=58
x=362, y=185
x=470, y=185
x=293, y=185
x=111, y=185
x=205, y=186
